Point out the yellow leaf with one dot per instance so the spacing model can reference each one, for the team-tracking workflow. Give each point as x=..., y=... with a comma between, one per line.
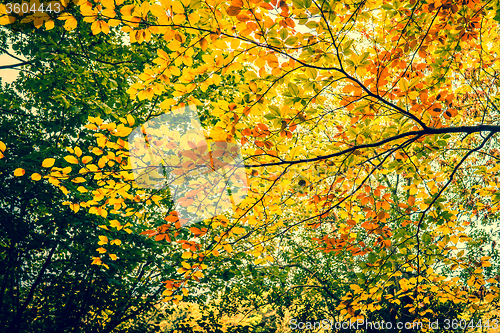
x=131, y=120
x=116, y=242
x=187, y=255
x=122, y=130
x=186, y=265
x=75, y=207
x=78, y=151
x=86, y=159
x=177, y=7
x=82, y=189
x=104, y=27
x=96, y=261
x=228, y=248
x=114, y=22
x=36, y=176
x=6, y=19
x=70, y=24
x=203, y=44
x=101, y=250
x=97, y=151
x=127, y=10
x=48, y=162
x=78, y=180
x=179, y=19
x=167, y=103
x=216, y=79
x=19, y=172
x=103, y=240
x=2, y=146
x=113, y=256
x=185, y=292
x=238, y=230
x=92, y=167
x=175, y=71
x=71, y=159
x=174, y=45
x=194, y=18
x=115, y=224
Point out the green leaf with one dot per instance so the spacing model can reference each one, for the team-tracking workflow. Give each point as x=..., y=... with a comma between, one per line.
x=293, y=89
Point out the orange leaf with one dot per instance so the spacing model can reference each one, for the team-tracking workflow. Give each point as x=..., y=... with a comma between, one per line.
x=203, y=44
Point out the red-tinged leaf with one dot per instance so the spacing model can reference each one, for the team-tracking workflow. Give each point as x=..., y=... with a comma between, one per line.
x=289, y=22
x=203, y=44
x=243, y=18
x=246, y=132
x=71, y=159
x=149, y=233
x=283, y=5
x=160, y=237
x=233, y=11
x=381, y=216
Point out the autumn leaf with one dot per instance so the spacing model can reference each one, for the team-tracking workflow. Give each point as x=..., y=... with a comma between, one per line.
x=233, y=11
x=103, y=240
x=48, y=162
x=116, y=242
x=71, y=159
x=36, y=177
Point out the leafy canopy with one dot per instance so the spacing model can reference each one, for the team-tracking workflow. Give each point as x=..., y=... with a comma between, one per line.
x=368, y=129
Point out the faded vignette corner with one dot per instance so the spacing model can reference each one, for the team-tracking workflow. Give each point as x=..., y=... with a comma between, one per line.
x=205, y=178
